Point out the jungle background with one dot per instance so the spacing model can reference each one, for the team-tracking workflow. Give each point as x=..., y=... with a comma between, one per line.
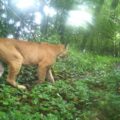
x=87, y=83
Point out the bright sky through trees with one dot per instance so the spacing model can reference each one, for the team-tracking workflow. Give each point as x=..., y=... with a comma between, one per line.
x=49, y=11
x=29, y=4
x=77, y=18
x=24, y=4
x=81, y=16
x=37, y=18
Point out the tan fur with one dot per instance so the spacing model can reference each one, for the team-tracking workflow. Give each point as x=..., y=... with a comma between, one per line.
x=16, y=52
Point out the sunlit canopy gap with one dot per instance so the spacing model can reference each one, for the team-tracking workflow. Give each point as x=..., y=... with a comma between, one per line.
x=3, y=15
x=80, y=17
x=49, y=11
x=37, y=17
x=31, y=4
x=23, y=4
x=10, y=36
x=17, y=24
x=11, y=21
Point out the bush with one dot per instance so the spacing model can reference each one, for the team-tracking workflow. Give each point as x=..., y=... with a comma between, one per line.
x=86, y=88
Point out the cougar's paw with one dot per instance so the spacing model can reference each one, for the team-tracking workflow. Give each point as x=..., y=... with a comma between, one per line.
x=21, y=87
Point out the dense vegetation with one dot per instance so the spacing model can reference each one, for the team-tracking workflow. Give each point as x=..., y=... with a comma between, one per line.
x=87, y=83
x=87, y=87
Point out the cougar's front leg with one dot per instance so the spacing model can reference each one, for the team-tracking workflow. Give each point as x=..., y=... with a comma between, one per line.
x=41, y=73
x=14, y=68
x=50, y=75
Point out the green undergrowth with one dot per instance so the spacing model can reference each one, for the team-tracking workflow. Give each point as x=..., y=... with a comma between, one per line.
x=87, y=87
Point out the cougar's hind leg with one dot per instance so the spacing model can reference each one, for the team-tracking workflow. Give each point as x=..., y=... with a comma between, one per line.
x=50, y=75
x=14, y=68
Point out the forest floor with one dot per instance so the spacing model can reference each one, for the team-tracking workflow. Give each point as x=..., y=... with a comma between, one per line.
x=87, y=87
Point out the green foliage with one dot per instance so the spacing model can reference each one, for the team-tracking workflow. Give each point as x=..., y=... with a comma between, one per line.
x=87, y=87
x=63, y=4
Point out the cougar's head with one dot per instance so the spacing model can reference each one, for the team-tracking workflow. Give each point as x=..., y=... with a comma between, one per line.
x=63, y=51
